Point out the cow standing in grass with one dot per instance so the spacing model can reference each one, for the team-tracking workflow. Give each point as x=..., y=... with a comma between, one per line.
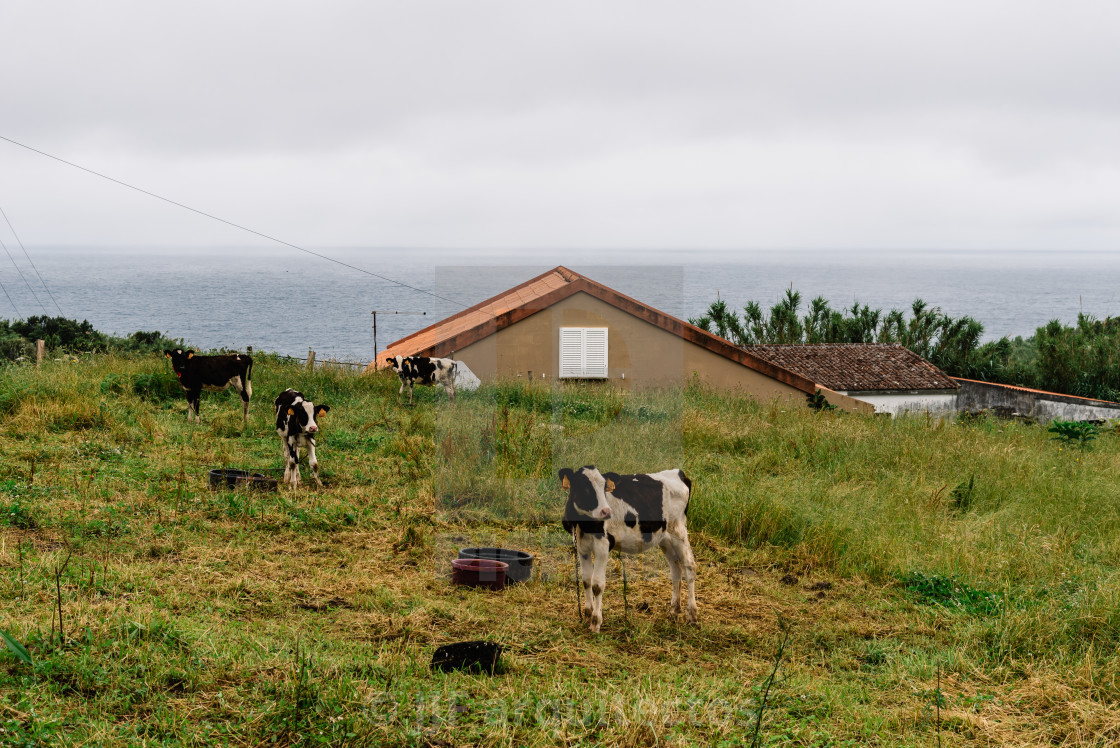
x=213, y=374
x=632, y=513
x=297, y=424
x=414, y=370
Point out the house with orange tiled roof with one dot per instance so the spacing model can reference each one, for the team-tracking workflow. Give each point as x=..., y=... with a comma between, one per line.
x=892, y=378
x=895, y=380
x=562, y=325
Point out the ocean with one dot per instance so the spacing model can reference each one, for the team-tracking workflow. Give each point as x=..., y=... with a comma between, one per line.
x=286, y=301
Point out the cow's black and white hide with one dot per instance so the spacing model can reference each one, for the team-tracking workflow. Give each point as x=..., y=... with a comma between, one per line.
x=213, y=374
x=297, y=425
x=632, y=513
x=415, y=370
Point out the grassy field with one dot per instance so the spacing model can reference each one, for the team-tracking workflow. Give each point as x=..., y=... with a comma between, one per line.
x=861, y=581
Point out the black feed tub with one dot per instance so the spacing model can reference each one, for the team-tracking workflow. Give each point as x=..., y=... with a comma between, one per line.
x=476, y=655
x=233, y=478
x=520, y=562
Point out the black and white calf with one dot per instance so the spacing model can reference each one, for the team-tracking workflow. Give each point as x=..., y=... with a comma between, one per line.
x=423, y=370
x=632, y=513
x=213, y=374
x=296, y=424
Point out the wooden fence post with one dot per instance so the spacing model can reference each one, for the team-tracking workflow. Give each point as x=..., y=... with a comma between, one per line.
x=40, y=350
x=310, y=359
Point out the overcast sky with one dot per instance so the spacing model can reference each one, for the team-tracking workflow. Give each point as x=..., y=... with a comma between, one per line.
x=474, y=124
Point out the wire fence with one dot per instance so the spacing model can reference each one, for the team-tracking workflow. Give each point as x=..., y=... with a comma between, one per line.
x=327, y=361
x=311, y=361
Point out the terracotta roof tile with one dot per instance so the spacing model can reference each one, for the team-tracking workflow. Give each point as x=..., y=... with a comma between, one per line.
x=517, y=297
x=857, y=367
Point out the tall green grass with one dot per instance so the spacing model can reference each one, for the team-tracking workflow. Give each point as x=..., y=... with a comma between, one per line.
x=990, y=505
x=981, y=545
x=859, y=495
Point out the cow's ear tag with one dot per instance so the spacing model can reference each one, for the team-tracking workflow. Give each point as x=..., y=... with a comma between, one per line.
x=291, y=411
x=566, y=483
x=190, y=355
x=167, y=355
x=610, y=485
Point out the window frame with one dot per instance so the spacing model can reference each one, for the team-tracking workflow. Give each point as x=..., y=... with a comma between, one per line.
x=599, y=338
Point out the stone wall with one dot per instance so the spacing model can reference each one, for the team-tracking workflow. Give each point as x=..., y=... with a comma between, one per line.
x=1039, y=406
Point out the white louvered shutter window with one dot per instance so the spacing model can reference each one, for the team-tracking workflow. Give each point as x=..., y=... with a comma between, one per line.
x=583, y=352
x=595, y=352
x=571, y=352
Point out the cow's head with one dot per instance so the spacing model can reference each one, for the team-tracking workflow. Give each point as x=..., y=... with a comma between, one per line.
x=305, y=413
x=587, y=490
x=179, y=359
x=397, y=364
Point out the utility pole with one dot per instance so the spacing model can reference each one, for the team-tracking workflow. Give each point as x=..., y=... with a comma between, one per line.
x=376, y=312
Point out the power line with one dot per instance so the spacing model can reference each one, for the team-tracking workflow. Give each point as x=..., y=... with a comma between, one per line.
x=231, y=223
x=5, y=289
x=40, y=277
x=22, y=276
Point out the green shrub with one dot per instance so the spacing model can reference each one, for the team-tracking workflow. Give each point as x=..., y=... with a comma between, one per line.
x=1075, y=433
x=950, y=592
x=17, y=338
x=114, y=384
x=961, y=496
x=817, y=401
x=156, y=388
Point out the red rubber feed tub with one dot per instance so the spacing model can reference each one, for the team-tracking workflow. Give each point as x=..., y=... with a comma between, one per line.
x=479, y=572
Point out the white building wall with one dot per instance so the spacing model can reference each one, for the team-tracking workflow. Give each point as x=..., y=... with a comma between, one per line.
x=896, y=403
x=1035, y=405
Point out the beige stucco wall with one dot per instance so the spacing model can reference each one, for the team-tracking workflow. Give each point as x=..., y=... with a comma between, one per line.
x=640, y=354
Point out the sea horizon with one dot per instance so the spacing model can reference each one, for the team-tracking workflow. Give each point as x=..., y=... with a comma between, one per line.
x=288, y=301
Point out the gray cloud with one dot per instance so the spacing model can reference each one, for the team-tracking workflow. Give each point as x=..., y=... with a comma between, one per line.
x=623, y=124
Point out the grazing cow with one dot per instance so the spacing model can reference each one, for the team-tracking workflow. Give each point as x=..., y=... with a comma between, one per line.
x=213, y=374
x=423, y=370
x=296, y=425
x=632, y=513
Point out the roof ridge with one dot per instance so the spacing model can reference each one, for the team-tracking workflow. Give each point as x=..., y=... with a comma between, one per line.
x=825, y=345
x=558, y=270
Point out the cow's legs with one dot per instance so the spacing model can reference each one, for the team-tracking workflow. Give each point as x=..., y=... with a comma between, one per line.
x=682, y=564
x=313, y=463
x=291, y=470
x=287, y=460
x=601, y=549
x=584, y=548
x=245, y=389
x=688, y=566
x=671, y=552
x=193, y=402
